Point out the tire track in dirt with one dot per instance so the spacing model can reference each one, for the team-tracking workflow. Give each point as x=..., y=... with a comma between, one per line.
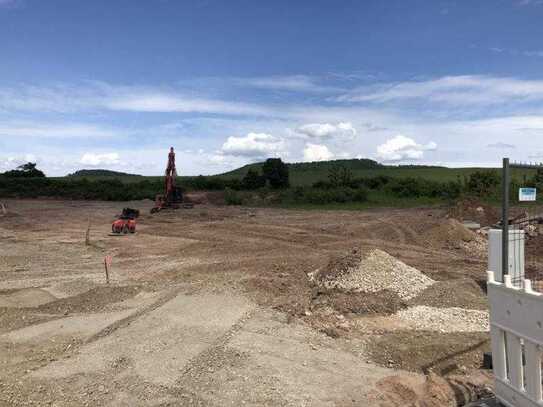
x=170, y=295
x=209, y=360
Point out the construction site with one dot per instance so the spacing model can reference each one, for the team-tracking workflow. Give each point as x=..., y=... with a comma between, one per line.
x=213, y=305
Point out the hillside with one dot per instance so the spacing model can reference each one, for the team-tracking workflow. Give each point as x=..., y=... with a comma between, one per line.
x=101, y=173
x=308, y=173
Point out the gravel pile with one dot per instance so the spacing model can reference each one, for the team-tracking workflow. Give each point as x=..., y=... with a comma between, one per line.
x=376, y=272
x=464, y=293
x=444, y=320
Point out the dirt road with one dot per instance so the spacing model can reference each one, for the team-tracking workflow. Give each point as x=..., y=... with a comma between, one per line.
x=212, y=306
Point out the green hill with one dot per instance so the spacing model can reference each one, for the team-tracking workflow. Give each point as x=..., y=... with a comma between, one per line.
x=309, y=173
x=101, y=173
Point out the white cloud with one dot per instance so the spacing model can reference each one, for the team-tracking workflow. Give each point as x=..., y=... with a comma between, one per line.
x=66, y=98
x=54, y=131
x=452, y=90
x=400, y=148
x=94, y=160
x=502, y=146
x=327, y=130
x=168, y=103
x=254, y=145
x=530, y=2
x=11, y=162
x=294, y=83
x=9, y=3
x=317, y=152
x=533, y=53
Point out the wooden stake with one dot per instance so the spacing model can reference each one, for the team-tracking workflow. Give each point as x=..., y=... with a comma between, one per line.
x=87, y=234
x=107, y=263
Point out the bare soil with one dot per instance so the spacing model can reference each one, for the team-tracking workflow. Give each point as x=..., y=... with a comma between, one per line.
x=430, y=351
x=213, y=306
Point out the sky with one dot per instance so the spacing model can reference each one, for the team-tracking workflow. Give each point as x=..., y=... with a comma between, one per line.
x=115, y=83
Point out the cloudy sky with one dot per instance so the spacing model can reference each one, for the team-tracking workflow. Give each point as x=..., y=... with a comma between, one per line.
x=114, y=83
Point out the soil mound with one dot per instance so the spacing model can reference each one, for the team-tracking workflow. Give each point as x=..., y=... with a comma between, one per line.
x=463, y=293
x=472, y=209
x=454, y=235
x=375, y=272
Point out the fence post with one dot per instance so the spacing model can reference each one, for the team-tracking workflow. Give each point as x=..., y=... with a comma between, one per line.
x=505, y=217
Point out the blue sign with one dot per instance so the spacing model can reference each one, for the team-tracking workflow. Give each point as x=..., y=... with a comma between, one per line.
x=527, y=194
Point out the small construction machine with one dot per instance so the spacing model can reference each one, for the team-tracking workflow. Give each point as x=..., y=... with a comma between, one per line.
x=126, y=222
x=173, y=196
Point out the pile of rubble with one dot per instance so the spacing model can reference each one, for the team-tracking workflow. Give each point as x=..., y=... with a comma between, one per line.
x=361, y=275
x=444, y=320
x=375, y=272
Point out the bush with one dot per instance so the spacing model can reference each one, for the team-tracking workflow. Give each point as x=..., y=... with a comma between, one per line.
x=321, y=196
x=418, y=187
x=79, y=188
x=483, y=183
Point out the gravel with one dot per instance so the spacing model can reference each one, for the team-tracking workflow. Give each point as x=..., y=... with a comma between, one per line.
x=464, y=293
x=454, y=319
x=376, y=272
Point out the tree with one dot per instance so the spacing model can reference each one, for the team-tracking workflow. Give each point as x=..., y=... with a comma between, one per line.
x=253, y=180
x=275, y=171
x=27, y=170
x=340, y=176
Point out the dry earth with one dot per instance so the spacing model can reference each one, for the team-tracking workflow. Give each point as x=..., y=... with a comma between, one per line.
x=212, y=306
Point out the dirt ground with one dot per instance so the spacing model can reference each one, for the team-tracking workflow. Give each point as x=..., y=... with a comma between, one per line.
x=212, y=306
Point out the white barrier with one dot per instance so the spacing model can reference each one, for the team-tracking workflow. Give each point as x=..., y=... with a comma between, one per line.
x=516, y=255
x=516, y=329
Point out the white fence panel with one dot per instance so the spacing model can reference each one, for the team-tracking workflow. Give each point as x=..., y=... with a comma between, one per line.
x=516, y=329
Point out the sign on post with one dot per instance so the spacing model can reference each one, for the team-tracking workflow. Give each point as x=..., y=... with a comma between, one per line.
x=527, y=194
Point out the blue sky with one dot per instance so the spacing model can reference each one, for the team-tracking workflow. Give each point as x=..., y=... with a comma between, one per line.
x=114, y=84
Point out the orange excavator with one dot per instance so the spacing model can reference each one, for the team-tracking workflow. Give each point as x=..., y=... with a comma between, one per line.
x=173, y=196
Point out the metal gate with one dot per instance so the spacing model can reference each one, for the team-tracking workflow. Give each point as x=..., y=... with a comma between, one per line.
x=522, y=224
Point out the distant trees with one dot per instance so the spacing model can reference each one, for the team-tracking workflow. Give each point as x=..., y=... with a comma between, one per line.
x=253, y=180
x=27, y=170
x=275, y=171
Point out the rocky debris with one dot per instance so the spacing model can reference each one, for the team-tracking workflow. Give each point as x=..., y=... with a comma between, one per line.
x=453, y=319
x=376, y=272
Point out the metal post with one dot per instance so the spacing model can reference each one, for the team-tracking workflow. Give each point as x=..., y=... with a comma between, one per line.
x=505, y=216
